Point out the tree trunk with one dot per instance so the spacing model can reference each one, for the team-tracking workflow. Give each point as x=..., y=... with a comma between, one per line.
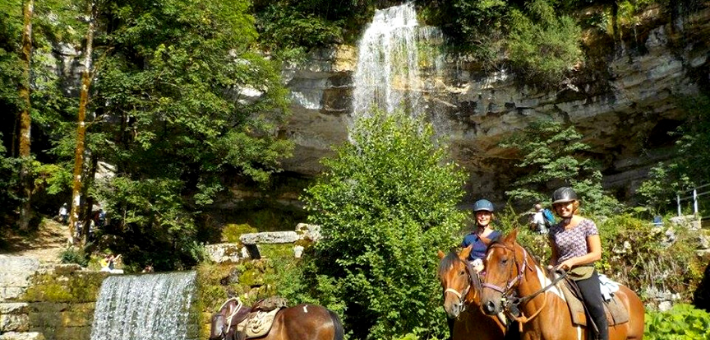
x=25, y=120
x=81, y=127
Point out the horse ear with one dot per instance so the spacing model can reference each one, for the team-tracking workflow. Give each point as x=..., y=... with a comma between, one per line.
x=441, y=255
x=511, y=237
x=465, y=252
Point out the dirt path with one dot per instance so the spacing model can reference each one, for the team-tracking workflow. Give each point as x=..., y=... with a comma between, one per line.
x=45, y=244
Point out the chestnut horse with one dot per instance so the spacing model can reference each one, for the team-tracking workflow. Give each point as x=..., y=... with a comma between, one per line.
x=545, y=315
x=462, y=299
x=302, y=322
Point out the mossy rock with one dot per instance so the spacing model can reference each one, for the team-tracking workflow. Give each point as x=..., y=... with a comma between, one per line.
x=277, y=252
x=72, y=287
x=232, y=232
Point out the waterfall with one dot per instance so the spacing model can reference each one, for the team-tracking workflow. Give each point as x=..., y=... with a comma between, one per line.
x=146, y=307
x=397, y=64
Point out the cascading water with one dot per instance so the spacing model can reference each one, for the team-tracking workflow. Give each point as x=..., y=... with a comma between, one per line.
x=146, y=307
x=395, y=54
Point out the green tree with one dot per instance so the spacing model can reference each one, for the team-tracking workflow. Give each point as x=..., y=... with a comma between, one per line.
x=552, y=156
x=183, y=105
x=50, y=23
x=385, y=204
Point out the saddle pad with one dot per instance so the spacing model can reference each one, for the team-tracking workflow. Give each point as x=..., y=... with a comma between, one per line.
x=616, y=313
x=258, y=324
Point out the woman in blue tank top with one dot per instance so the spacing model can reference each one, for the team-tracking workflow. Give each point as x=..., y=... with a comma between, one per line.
x=482, y=235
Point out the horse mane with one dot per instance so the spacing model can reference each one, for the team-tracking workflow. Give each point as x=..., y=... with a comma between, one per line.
x=451, y=259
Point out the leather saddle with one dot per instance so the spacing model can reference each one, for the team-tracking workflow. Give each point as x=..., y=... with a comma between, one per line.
x=234, y=321
x=614, y=309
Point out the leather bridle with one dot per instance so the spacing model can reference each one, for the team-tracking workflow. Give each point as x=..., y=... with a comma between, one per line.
x=511, y=303
x=521, y=273
x=462, y=295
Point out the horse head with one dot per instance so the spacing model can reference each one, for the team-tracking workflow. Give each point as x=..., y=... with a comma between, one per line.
x=506, y=262
x=459, y=281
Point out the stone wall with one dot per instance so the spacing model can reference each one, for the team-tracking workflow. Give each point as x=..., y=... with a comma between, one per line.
x=248, y=247
x=46, y=301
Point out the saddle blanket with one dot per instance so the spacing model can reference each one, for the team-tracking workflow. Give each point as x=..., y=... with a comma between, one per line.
x=608, y=287
x=258, y=324
x=616, y=312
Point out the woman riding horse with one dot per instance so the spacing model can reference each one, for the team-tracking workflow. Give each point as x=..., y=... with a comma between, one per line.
x=517, y=285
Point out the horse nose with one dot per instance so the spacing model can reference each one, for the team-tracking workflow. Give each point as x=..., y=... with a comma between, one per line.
x=489, y=308
x=455, y=310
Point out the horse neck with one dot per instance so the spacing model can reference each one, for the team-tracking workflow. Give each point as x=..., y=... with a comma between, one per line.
x=530, y=283
x=533, y=281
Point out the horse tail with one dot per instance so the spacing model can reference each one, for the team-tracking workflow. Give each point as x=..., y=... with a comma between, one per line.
x=338, y=325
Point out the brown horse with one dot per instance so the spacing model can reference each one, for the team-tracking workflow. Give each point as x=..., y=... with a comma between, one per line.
x=545, y=315
x=461, y=299
x=302, y=322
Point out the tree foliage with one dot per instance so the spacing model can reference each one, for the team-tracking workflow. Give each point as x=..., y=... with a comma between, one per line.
x=385, y=204
x=691, y=166
x=182, y=102
x=543, y=46
x=553, y=156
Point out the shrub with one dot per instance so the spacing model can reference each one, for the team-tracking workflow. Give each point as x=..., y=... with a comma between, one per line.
x=634, y=254
x=683, y=321
x=74, y=255
x=543, y=47
x=385, y=203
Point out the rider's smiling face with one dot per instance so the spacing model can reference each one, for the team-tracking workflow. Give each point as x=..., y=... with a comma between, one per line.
x=483, y=217
x=565, y=210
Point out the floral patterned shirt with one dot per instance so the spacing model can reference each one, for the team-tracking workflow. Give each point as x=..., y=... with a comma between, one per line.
x=573, y=242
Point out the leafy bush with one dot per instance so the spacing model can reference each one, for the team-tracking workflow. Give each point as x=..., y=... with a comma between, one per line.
x=74, y=255
x=683, y=321
x=385, y=203
x=543, y=46
x=635, y=254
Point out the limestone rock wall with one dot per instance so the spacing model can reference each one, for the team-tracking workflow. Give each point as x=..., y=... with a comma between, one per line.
x=624, y=110
x=46, y=301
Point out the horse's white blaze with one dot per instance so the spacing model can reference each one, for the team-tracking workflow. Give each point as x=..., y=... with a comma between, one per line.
x=305, y=308
x=544, y=281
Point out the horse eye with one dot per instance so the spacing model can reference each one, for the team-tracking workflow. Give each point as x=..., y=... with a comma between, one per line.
x=463, y=272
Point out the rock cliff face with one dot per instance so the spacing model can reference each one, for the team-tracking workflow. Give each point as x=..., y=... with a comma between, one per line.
x=624, y=107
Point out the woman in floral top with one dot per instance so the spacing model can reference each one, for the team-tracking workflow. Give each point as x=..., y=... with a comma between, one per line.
x=575, y=247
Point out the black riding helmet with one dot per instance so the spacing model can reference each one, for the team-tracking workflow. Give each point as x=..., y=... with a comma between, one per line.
x=564, y=195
